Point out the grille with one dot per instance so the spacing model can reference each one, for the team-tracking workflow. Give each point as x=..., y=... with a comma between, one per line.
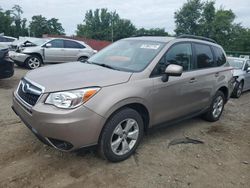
x=28, y=92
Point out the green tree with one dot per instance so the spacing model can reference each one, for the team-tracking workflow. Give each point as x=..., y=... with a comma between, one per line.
x=201, y=18
x=151, y=32
x=55, y=27
x=5, y=22
x=19, y=28
x=104, y=25
x=188, y=17
x=39, y=25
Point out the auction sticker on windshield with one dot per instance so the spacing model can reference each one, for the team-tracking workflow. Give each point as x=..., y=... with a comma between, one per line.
x=150, y=46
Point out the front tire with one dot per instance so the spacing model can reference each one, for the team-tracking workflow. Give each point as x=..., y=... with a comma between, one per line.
x=238, y=90
x=121, y=135
x=82, y=59
x=33, y=62
x=216, y=108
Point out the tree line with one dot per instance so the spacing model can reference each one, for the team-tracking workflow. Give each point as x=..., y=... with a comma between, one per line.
x=195, y=17
x=12, y=24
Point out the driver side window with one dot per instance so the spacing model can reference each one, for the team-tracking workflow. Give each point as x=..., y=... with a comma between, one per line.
x=57, y=43
x=179, y=54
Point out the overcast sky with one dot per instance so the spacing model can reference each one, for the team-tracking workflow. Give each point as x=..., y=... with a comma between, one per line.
x=143, y=13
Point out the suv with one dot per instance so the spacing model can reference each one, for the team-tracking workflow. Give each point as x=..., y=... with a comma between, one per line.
x=122, y=91
x=52, y=51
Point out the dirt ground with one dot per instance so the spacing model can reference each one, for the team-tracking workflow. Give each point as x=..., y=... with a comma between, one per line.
x=222, y=161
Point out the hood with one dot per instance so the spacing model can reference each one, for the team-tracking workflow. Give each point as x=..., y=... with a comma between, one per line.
x=237, y=72
x=75, y=75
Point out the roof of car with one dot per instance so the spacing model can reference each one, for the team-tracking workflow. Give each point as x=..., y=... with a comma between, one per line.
x=237, y=58
x=168, y=39
x=152, y=38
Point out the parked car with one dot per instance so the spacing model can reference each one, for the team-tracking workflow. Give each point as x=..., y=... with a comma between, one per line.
x=52, y=51
x=241, y=74
x=122, y=91
x=6, y=40
x=6, y=65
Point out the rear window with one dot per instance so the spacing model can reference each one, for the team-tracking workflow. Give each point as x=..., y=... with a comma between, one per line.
x=220, y=58
x=204, y=56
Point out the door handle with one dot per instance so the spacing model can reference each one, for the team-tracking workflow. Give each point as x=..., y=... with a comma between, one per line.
x=216, y=74
x=192, y=80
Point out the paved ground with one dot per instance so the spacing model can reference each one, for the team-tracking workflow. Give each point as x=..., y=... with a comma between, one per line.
x=222, y=161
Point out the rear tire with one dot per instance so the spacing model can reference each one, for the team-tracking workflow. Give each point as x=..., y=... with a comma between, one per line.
x=121, y=135
x=82, y=59
x=238, y=90
x=33, y=62
x=216, y=108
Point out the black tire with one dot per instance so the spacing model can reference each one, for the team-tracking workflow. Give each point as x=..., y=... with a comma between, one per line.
x=82, y=59
x=237, y=90
x=37, y=62
x=107, y=135
x=209, y=115
x=19, y=64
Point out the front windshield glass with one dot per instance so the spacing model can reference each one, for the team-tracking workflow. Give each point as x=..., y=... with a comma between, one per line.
x=128, y=55
x=236, y=63
x=40, y=42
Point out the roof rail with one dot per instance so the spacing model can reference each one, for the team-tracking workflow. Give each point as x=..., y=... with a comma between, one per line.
x=197, y=37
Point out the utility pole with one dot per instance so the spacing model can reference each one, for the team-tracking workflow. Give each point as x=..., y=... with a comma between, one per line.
x=112, y=28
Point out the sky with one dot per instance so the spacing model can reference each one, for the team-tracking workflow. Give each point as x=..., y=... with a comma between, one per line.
x=142, y=13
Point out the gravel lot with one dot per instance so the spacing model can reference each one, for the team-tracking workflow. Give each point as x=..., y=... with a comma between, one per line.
x=222, y=161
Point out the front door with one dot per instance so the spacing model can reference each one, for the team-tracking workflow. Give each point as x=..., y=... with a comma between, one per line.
x=179, y=96
x=54, y=53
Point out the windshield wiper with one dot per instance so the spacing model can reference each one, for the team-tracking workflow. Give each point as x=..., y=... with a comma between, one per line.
x=105, y=65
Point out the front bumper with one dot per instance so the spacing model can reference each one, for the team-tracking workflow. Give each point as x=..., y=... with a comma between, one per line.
x=19, y=57
x=65, y=130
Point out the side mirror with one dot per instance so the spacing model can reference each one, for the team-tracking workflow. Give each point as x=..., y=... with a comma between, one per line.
x=172, y=70
x=48, y=45
x=248, y=69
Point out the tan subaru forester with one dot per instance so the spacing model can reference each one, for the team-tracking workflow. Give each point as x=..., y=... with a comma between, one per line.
x=111, y=99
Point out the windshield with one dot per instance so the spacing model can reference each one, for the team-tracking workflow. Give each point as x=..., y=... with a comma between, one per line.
x=40, y=42
x=236, y=63
x=128, y=55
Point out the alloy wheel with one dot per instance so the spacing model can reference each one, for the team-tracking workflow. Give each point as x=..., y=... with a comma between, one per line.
x=239, y=90
x=34, y=62
x=124, y=136
x=218, y=106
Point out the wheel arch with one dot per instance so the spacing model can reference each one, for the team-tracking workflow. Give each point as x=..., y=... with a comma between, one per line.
x=85, y=56
x=36, y=54
x=137, y=106
x=225, y=91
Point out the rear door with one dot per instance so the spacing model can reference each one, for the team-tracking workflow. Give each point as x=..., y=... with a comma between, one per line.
x=72, y=49
x=55, y=53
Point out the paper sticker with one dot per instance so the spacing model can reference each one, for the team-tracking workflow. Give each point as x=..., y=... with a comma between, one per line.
x=150, y=46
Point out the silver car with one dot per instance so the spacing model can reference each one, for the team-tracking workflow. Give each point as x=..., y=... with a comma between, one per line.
x=241, y=74
x=122, y=91
x=57, y=50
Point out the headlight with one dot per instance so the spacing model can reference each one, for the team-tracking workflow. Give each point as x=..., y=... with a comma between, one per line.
x=71, y=99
